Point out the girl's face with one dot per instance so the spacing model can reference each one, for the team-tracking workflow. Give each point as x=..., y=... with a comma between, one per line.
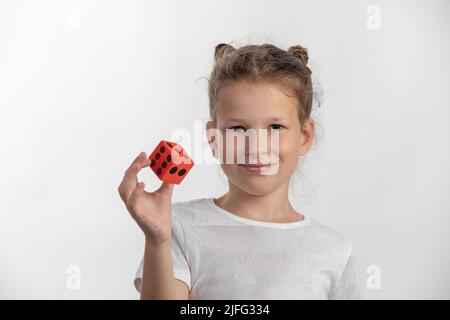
x=278, y=138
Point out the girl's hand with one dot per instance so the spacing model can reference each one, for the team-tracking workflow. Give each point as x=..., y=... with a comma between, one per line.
x=151, y=210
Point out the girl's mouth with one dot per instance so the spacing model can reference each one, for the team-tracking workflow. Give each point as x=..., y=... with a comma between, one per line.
x=256, y=167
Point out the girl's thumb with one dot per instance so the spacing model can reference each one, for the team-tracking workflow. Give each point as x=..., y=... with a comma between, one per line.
x=166, y=188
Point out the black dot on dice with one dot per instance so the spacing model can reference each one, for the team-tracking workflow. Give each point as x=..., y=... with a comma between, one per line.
x=162, y=149
x=169, y=144
x=152, y=163
x=164, y=164
x=173, y=170
x=181, y=172
x=158, y=172
x=157, y=156
x=169, y=158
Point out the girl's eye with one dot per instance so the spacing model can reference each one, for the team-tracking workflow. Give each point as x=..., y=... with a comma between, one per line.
x=234, y=128
x=274, y=126
x=277, y=126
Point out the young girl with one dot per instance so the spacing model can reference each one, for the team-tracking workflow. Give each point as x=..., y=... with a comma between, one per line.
x=250, y=243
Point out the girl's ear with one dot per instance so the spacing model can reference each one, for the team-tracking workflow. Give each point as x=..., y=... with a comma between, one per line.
x=306, y=136
x=211, y=136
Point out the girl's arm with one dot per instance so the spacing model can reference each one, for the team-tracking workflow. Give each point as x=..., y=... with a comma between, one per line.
x=153, y=213
x=157, y=278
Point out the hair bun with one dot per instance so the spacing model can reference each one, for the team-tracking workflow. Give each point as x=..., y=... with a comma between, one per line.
x=299, y=52
x=222, y=49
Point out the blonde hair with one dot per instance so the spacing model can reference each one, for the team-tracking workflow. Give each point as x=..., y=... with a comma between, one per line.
x=263, y=63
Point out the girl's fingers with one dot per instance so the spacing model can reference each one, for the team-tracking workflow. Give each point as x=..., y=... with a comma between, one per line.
x=138, y=190
x=137, y=164
x=166, y=188
x=129, y=181
x=135, y=194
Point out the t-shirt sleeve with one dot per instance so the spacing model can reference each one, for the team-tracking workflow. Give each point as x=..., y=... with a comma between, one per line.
x=181, y=270
x=346, y=287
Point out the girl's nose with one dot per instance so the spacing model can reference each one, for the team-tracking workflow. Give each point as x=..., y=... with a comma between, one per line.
x=261, y=143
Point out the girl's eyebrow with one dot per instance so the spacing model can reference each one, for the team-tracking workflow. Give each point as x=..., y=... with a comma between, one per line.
x=243, y=120
x=235, y=120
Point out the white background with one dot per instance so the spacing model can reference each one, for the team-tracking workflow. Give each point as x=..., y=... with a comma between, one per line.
x=86, y=85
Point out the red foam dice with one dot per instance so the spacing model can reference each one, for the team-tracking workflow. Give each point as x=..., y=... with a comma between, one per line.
x=170, y=162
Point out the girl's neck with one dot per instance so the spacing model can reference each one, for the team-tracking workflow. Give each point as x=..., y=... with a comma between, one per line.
x=273, y=207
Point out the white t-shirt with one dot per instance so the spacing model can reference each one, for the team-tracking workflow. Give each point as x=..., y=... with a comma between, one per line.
x=220, y=255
